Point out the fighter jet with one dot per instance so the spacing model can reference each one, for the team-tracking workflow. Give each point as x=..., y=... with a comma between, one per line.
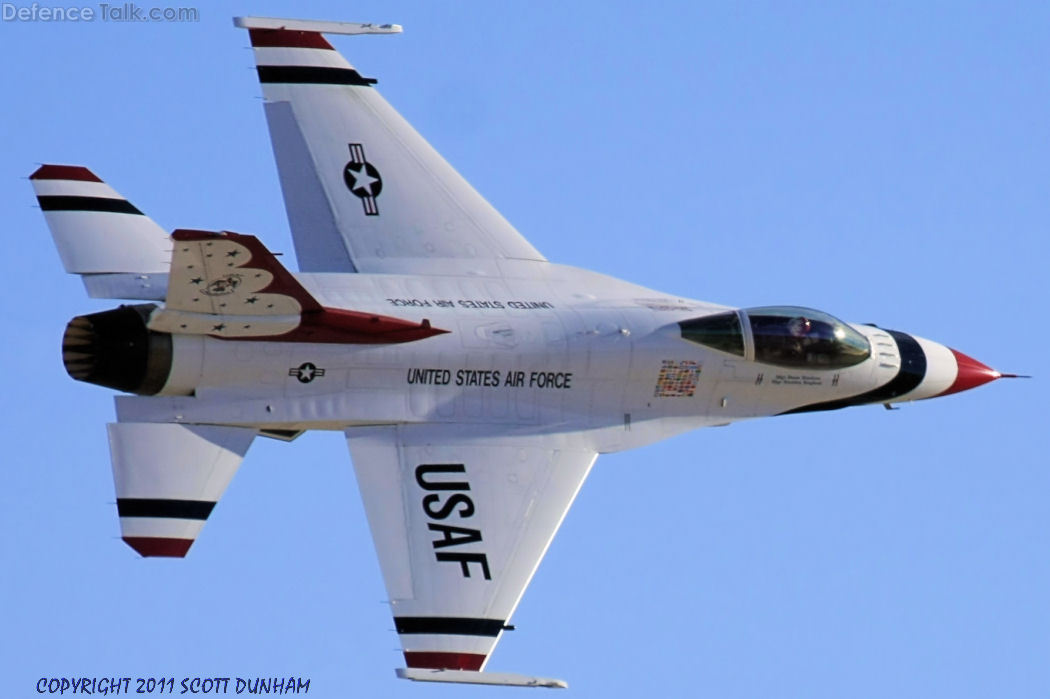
x=476, y=382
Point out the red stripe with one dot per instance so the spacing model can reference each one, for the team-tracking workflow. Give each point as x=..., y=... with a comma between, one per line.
x=288, y=38
x=64, y=172
x=159, y=546
x=432, y=660
x=339, y=325
x=972, y=374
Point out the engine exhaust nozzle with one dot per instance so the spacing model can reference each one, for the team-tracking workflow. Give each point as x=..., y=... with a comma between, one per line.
x=117, y=350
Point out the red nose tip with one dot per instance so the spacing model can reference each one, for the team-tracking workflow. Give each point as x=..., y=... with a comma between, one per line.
x=971, y=374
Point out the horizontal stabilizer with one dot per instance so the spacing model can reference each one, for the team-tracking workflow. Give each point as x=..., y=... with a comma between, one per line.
x=96, y=230
x=467, y=677
x=169, y=477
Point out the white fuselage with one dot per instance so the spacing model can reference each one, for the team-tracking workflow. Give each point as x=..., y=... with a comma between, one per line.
x=566, y=350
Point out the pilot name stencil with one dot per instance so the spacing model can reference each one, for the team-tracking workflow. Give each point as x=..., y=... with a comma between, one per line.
x=798, y=380
x=433, y=477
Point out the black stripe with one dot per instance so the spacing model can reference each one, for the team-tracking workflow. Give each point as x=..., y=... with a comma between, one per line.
x=312, y=75
x=910, y=375
x=460, y=626
x=149, y=507
x=70, y=203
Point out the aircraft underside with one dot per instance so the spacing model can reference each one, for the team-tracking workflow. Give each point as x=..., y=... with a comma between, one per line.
x=475, y=381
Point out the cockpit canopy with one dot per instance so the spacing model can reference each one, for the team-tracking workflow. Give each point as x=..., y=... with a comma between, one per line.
x=785, y=336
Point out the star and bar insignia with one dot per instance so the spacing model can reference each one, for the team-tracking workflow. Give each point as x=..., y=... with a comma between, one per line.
x=306, y=372
x=362, y=179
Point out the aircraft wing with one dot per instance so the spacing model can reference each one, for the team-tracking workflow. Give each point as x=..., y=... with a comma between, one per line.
x=461, y=517
x=363, y=190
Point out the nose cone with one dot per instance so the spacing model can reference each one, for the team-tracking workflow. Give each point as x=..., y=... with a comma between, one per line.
x=933, y=369
x=971, y=374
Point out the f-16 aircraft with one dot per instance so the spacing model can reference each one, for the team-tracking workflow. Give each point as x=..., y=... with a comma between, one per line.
x=475, y=381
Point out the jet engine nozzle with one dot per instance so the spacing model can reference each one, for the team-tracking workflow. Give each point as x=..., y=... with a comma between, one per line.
x=115, y=349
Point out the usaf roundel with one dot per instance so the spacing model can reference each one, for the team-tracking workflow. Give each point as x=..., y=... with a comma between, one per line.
x=362, y=179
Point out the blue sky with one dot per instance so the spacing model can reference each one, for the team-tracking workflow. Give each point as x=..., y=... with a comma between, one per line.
x=886, y=162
